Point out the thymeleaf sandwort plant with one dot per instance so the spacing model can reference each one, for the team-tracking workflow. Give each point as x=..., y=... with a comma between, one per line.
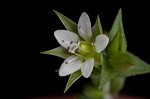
x=90, y=53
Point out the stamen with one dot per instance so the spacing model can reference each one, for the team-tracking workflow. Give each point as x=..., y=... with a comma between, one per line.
x=71, y=42
x=73, y=46
x=93, y=44
x=66, y=62
x=78, y=42
x=78, y=55
x=78, y=49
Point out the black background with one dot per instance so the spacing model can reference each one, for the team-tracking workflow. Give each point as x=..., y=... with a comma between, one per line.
x=34, y=74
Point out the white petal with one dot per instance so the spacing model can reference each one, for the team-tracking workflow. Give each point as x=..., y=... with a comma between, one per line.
x=67, y=36
x=73, y=64
x=84, y=27
x=87, y=68
x=101, y=42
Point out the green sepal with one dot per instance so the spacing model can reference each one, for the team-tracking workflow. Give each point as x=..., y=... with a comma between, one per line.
x=96, y=29
x=72, y=79
x=140, y=67
x=117, y=27
x=59, y=52
x=107, y=73
x=120, y=61
x=113, y=47
x=97, y=58
x=68, y=23
x=96, y=76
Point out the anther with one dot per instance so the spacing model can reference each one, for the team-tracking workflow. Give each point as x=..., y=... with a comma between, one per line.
x=78, y=49
x=71, y=42
x=80, y=27
x=93, y=44
x=78, y=42
x=66, y=62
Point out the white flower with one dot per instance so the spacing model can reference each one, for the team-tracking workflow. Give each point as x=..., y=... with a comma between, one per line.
x=82, y=51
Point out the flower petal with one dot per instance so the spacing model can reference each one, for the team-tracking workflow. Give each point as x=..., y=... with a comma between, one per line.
x=87, y=68
x=65, y=37
x=70, y=65
x=84, y=27
x=101, y=42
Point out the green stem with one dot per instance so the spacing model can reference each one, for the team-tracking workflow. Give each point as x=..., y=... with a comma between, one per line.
x=107, y=91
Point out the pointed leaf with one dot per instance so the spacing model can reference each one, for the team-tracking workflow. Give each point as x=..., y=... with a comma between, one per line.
x=97, y=58
x=69, y=24
x=120, y=61
x=113, y=47
x=118, y=27
x=107, y=73
x=95, y=76
x=73, y=78
x=123, y=43
x=96, y=29
x=96, y=73
x=140, y=67
x=117, y=84
x=59, y=51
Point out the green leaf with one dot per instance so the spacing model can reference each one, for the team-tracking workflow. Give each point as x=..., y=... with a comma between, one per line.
x=120, y=61
x=95, y=76
x=140, y=67
x=59, y=51
x=69, y=24
x=123, y=43
x=118, y=28
x=117, y=84
x=113, y=47
x=107, y=73
x=96, y=29
x=73, y=78
x=97, y=58
x=96, y=73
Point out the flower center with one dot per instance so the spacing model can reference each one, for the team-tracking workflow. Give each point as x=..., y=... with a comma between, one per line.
x=80, y=48
x=85, y=49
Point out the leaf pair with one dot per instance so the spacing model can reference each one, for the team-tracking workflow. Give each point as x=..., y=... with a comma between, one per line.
x=116, y=58
x=118, y=47
x=119, y=62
